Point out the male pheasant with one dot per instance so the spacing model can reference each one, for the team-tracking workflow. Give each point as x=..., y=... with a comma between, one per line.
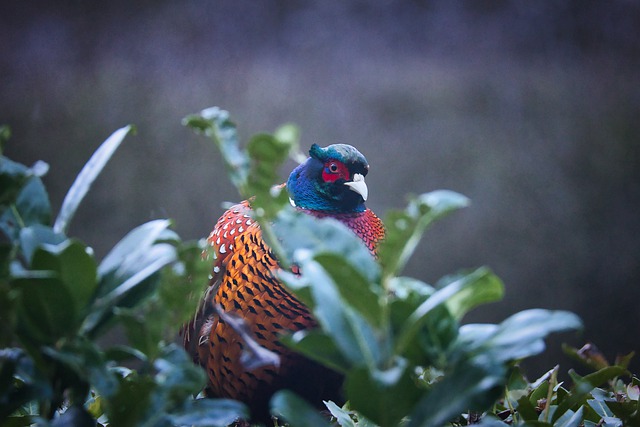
x=329, y=183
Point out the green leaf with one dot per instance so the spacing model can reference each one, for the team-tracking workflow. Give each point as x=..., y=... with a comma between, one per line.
x=130, y=403
x=417, y=319
x=520, y=336
x=210, y=412
x=86, y=177
x=384, y=397
x=299, y=232
x=130, y=284
x=472, y=384
x=266, y=154
x=317, y=346
x=128, y=273
x=85, y=359
x=355, y=289
x=526, y=411
x=20, y=383
x=487, y=288
x=45, y=308
x=583, y=387
x=74, y=266
x=35, y=236
x=343, y=417
x=354, y=337
x=177, y=377
x=13, y=176
x=405, y=228
x=570, y=418
x=295, y=410
x=134, y=245
x=31, y=207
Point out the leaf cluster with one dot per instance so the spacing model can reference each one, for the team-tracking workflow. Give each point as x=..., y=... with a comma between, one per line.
x=57, y=302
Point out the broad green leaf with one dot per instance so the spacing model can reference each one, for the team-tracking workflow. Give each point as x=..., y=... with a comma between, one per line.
x=266, y=155
x=31, y=207
x=86, y=360
x=34, y=236
x=210, y=413
x=129, y=272
x=129, y=405
x=405, y=228
x=45, y=308
x=295, y=410
x=133, y=246
x=570, y=418
x=519, y=336
x=417, y=319
x=177, y=377
x=86, y=177
x=296, y=231
x=140, y=330
x=526, y=410
x=290, y=134
x=354, y=288
x=384, y=397
x=318, y=346
x=354, y=337
x=75, y=267
x=487, y=288
x=472, y=384
x=13, y=176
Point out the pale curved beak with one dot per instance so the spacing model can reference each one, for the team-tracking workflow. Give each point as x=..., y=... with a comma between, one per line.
x=358, y=185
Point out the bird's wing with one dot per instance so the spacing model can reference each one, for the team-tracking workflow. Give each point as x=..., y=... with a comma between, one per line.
x=234, y=222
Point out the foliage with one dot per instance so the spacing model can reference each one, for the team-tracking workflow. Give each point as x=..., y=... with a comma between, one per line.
x=57, y=301
x=406, y=356
x=398, y=341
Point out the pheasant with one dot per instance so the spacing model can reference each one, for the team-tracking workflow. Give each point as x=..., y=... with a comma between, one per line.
x=330, y=183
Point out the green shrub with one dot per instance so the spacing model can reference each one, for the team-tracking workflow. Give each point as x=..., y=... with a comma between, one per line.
x=406, y=356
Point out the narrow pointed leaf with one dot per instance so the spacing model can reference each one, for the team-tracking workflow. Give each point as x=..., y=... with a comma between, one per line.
x=86, y=177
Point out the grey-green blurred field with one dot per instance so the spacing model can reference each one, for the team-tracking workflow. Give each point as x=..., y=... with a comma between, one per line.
x=531, y=109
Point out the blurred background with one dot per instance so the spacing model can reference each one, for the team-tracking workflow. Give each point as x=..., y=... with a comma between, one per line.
x=531, y=109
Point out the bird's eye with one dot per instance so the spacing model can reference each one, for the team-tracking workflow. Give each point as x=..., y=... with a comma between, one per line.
x=334, y=170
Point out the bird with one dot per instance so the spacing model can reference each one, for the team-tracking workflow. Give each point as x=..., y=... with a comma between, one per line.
x=244, y=285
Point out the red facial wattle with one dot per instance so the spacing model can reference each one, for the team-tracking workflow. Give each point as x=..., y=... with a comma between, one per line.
x=334, y=170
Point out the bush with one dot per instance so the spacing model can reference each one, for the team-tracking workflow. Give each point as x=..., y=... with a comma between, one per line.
x=406, y=356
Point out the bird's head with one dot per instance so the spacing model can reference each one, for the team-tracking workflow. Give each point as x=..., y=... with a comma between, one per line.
x=330, y=180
